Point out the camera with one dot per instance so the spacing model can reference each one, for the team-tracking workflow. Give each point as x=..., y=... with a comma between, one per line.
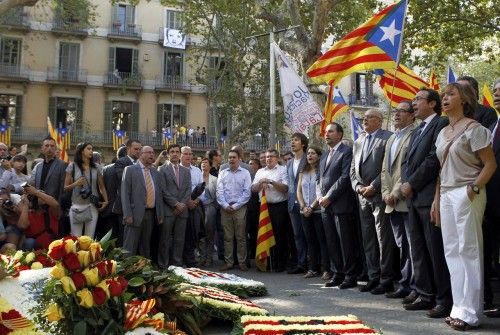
x=85, y=192
x=8, y=203
x=25, y=184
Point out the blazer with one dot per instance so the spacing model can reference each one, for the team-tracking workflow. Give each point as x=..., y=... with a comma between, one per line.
x=420, y=167
x=133, y=194
x=492, y=198
x=211, y=190
x=120, y=166
x=367, y=172
x=334, y=180
x=293, y=180
x=54, y=182
x=112, y=186
x=485, y=115
x=391, y=177
x=172, y=192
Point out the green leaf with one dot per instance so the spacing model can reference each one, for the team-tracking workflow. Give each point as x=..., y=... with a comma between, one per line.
x=136, y=281
x=80, y=328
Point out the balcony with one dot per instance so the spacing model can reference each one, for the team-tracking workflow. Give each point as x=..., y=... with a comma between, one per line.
x=172, y=83
x=363, y=100
x=125, y=80
x=76, y=77
x=161, y=36
x=13, y=73
x=125, y=32
x=72, y=27
x=16, y=19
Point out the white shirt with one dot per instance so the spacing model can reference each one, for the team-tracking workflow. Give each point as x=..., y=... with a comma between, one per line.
x=398, y=136
x=427, y=121
x=233, y=187
x=279, y=174
x=296, y=163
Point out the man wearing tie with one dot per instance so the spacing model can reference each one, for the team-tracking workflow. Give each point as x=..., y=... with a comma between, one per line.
x=336, y=199
x=176, y=181
x=141, y=196
x=419, y=173
x=378, y=241
x=395, y=203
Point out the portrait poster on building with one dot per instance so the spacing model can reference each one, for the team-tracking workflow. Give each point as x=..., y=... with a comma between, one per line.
x=174, y=38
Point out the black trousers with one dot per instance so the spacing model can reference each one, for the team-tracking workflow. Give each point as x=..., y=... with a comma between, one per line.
x=282, y=253
x=491, y=231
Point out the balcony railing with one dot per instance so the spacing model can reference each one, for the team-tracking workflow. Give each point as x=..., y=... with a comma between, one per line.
x=126, y=79
x=172, y=83
x=67, y=75
x=120, y=29
x=13, y=71
x=69, y=27
x=363, y=100
x=16, y=18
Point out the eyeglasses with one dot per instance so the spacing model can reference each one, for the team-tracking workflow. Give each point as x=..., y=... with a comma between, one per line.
x=417, y=98
x=371, y=117
x=271, y=156
x=400, y=110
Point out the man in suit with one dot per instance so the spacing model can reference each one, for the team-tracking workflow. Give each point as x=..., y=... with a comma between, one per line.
x=419, y=174
x=294, y=166
x=376, y=232
x=491, y=225
x=336, y=198
x=485, y=115
x=176, y=180
x=395, y=203
x=142, y=205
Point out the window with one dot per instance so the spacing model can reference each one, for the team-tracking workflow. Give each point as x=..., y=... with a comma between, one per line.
x=8, y=108
x=361, y=86
x=123, y=16
x=164, y=116
x=122, y=114
x=216, y=63
x=10, y=51
x=173, y=67
x=123, y=66
x=173, y=20
x=361, y=90
x=69, y=59
x=66, y=112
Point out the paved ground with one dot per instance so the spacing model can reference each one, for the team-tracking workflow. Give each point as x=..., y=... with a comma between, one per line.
x=294, y=295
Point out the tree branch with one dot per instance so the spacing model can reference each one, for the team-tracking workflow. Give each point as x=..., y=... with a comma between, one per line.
x=5, y=5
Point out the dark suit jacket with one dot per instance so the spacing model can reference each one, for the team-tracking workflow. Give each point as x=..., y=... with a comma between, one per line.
x=173, y=193
x=293, y=180
x=54, y=182
x=334, y=181
x=492, y=198
x=110, y=182
x=120, y=166
x=485, y=115
x=420, y=168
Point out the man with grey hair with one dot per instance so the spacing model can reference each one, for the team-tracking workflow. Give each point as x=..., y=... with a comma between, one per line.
x=5, y=164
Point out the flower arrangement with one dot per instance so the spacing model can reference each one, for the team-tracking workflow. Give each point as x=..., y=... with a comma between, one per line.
x=12, y=322
x=234, y=284
x=24, y=260
x=311, y=325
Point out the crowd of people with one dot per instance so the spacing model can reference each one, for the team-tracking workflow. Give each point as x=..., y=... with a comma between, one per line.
x=403, y=211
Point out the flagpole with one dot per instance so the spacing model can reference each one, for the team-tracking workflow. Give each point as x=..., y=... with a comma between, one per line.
x=272, y=87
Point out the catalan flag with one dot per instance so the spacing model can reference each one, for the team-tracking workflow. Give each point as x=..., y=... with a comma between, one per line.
x=376, y=44
x=487, y=96
x=5, y=134
x=433, y=82
x=118, y=138
x=265, y=236
x=166, y=138
x=356, y=126
x=335, y=105
x=400, y=86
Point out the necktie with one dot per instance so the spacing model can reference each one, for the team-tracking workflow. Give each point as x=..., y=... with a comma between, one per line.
x=149, y=189
x=496, y=137
x=417, y=136
x=176, y=170
x=366, y=148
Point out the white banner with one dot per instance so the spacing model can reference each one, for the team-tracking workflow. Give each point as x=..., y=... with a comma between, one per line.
x=173, y=38
x=301, y=111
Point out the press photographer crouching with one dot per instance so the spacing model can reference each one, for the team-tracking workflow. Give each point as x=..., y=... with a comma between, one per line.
x=10, y=212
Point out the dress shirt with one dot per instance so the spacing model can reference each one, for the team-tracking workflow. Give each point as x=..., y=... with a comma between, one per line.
x=398, y=136
x=150, y=176
x=233, y=187
x=279, y=174
x=196, y=176
x=10, y=177
x=296, y=163
x=427, y=121
x=132, y=160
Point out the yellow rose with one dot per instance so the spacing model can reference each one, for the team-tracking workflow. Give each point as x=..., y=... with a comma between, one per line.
x=54, y=313
x=69, y=246
x=29, y=257
x=84, y=242
x=86, y=299
x=104, y=286
x=113, y=268
x=95, y=251
x=17, y=256
x=68, y=285
x=58, y=271
x=36, y=266
x=91, y=276
x=83, y=258
x=54, y=244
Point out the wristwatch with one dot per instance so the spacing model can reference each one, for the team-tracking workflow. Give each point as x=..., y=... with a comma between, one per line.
x=474, y=188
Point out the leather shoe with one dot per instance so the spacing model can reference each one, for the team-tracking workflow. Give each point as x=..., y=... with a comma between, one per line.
x=369, y=286
x=399, y=294
x=493, y=313
x=243, y=267
x=334, y=282
x=348, y=283
x=226, y=267
x=410, y=298
x=418, y=305
x=296, y=271
x=381, y=289
x=326, y=275
x=439, y=311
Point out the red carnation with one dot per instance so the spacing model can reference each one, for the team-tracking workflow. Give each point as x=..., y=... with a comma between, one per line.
x=123, y=282
x=71, y=262
x=99, y=295
x=115, y=288
x=57, y=252
x=79, y=280
x=101, y=267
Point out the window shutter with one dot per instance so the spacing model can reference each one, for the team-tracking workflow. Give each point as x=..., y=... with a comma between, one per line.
x=52, y=114
x=353, y=94
x=159, y=118
x=19, y=112
x=134, y=120
x=130, y=11
x=183, y=115
x=115, y=13
x=78, y=125
x=111, y=59
x=135, y=61
x=108, y=120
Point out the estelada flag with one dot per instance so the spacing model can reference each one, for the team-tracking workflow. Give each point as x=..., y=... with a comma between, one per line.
x=265, y=236
x=433, y=81
x=376, y=44
x=488, y=98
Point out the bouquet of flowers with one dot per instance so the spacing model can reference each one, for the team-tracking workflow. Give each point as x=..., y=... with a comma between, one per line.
x=24, y=260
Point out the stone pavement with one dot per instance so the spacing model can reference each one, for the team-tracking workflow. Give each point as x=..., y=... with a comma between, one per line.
x=294, y=295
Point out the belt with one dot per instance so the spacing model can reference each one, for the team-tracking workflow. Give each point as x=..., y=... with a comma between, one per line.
x=151, y=209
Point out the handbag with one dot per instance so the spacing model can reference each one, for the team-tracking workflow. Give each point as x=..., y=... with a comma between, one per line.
x=82, y=216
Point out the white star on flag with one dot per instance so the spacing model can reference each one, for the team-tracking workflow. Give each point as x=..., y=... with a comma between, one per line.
x=390, y=32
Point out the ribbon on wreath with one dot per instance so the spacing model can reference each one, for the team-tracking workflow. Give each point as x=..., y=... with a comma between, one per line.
x=137, y=314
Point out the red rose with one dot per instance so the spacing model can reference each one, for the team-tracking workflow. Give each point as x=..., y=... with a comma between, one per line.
x=99, y=295
x=123, y=282
x=101, y=267
x=70, y=237
x=71, y=262
x=46, y=262
x=58, y=252
x=79, y=280
x=115, y=288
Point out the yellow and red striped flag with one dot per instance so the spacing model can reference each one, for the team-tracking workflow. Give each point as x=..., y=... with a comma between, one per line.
x=402, y=87
x=61, y=138
x=334, y=106
x=265, y=236
x=433, y=81
x=5, y=134
x=487, y=97
x=118, y=138
x=375, y=44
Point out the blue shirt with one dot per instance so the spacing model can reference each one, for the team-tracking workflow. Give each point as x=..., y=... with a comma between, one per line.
x=233, y=187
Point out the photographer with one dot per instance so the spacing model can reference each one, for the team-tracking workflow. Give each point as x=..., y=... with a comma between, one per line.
x=83, y=177
x=11, y=213
x=14, y=177
x=39, y=213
